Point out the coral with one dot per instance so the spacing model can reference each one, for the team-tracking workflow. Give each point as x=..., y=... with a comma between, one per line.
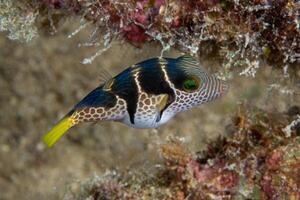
x=256, y=161
x=18, y=18
x=240, y=33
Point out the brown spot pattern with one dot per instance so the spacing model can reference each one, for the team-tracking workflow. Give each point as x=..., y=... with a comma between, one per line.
x=95, y=114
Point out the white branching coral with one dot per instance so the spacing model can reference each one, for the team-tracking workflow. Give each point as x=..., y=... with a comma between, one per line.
x=288, y=129
x=244, y=34
x=19, y=21
x=251, y=69
x=281, y=88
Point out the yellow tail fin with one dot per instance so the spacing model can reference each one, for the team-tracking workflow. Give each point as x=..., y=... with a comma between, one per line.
x=57, y=131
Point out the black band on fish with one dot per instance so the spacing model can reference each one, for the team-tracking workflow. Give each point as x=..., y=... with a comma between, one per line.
x=152, y=80
x=125, y=87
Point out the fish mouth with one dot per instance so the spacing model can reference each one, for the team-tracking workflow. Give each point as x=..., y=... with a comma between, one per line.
x=221, y=88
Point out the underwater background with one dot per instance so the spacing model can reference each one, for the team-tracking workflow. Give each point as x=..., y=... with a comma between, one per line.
x=42, y=79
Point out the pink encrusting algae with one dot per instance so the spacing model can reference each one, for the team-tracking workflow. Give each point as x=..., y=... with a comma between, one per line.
x=255, y=161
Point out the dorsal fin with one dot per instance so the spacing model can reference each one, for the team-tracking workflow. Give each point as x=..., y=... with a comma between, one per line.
x=107, y=86
x=104, y=76
x=188, y=61
x=190, y=65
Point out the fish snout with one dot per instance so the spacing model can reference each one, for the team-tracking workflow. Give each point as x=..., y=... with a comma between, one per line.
x=223, y=88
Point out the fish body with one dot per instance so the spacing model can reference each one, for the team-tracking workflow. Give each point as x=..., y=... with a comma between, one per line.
x=145, y=95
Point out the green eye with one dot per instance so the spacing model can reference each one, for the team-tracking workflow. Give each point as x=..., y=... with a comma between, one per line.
x=191, y=84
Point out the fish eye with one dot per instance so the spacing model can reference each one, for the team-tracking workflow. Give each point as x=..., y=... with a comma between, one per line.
x=191, y=84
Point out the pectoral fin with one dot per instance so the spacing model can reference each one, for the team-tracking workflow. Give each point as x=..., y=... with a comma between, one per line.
x=161, y=105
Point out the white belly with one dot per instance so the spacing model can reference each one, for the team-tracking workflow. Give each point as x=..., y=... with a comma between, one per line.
x=147, y=120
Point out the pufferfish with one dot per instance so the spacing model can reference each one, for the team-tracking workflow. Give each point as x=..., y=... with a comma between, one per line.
x=145, y=95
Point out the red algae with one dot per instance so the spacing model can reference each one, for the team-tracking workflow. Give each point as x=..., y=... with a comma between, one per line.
x=239, y=32
x=239, y=166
